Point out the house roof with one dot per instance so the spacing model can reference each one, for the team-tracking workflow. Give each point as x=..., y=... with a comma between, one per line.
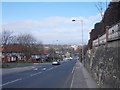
x=13, y=48
x=40, y=52
x=45, y=53
x=19, y=48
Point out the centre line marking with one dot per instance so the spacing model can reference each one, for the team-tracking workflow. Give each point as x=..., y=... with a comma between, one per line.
x=11, y=82
x=35, y=74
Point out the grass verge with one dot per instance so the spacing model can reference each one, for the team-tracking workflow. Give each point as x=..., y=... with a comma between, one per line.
x=13, y=67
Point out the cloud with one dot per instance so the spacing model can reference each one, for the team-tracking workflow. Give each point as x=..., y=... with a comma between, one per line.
x=53, y=28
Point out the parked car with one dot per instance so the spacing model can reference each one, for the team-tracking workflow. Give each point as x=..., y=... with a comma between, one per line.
x=56, y=62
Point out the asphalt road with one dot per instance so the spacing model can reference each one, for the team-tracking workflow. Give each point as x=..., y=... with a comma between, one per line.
x=41, y=76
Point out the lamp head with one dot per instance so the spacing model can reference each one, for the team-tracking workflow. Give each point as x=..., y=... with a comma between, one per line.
x=73, y=20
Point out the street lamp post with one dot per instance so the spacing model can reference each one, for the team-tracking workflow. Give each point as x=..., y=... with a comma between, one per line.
x=53, y=50
x=81, y=38
x=57, y=49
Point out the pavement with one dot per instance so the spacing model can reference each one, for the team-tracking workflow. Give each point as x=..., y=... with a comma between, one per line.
x=70, y=74
x=82, y=78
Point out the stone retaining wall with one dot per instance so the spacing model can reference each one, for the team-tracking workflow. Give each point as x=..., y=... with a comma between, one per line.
x=104, y=64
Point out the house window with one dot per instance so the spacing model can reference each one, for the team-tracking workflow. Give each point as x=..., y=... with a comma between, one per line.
x=13, y=59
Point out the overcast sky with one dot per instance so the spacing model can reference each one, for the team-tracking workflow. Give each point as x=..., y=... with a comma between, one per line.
x=51, y=22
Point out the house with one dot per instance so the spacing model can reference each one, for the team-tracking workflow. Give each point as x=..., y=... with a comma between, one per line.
x=13, y=52
x=39, y=56
x=67, y=55
x=44, y=56
x=16, y=52
x=0, y=56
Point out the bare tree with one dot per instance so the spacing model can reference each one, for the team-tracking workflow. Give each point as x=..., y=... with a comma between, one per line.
x=27, y=42
x=30, y=44
x=99, y=6
x=6, y=37
x=27, y=39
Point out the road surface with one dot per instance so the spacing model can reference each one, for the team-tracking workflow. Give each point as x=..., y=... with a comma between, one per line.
x=66, y=75
x=41, y=76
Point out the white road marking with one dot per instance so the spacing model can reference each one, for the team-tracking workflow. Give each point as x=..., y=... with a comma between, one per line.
x=73, y=69
x=36, y=69
x=72, y=80
x=44, y=69
x=73, y=77
x=11, y=82
x=33, y=67
x=50, y=69
x=35, y=74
